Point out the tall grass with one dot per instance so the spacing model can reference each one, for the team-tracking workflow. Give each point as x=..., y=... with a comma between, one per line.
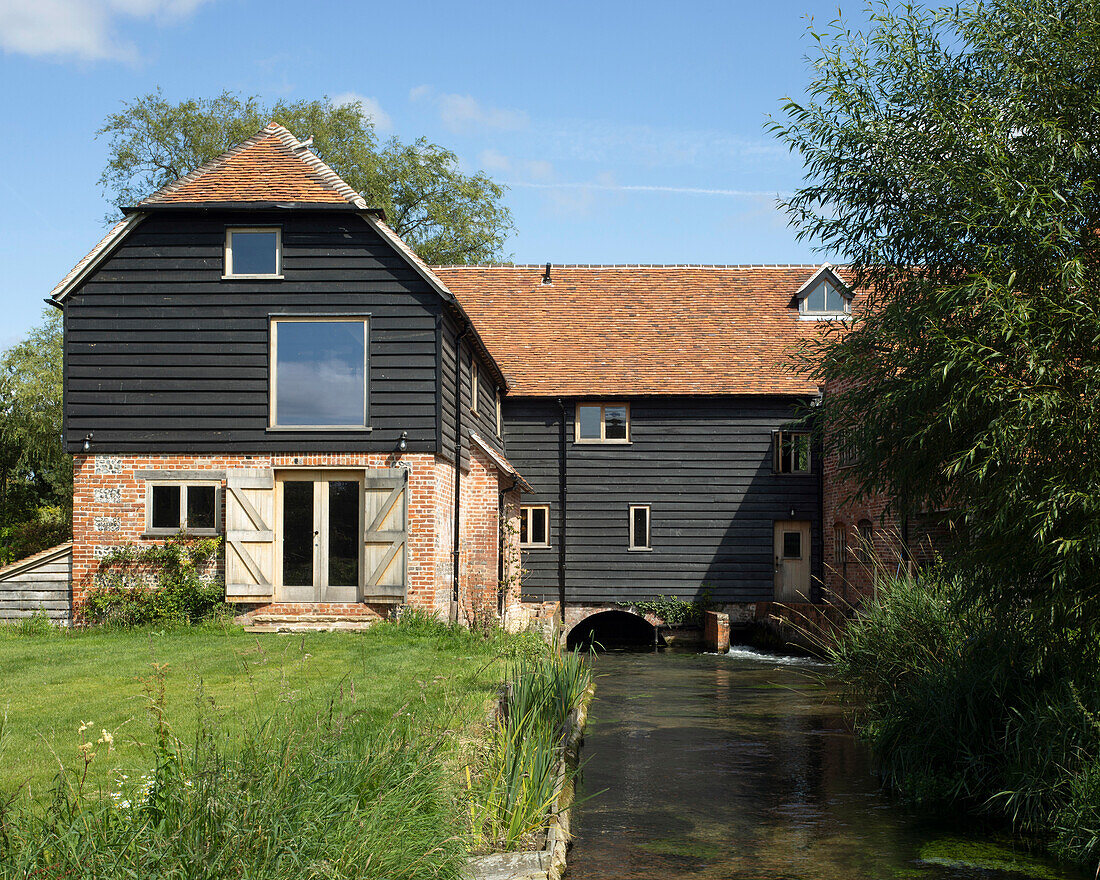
x=986, y=711
x=517, y=781
x=319, y=796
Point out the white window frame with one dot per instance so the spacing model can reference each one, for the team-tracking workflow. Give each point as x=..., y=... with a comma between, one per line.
x=273, y=353
x=229, y=273
x=525, y=514
x=182, y=527
x=806, y=314
x=500, y=417
x=475, y=384
x=777, y=451
x=648, y=546
x=624, y=441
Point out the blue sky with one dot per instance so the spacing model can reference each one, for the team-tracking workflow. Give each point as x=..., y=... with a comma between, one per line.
x=627, y=131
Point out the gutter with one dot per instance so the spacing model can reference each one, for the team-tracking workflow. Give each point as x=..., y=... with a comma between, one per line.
x=562, y=503
x=456, y=549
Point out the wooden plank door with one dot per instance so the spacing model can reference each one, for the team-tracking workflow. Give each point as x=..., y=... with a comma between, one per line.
x=792, y=561
x=385, y=537
x=249, y=536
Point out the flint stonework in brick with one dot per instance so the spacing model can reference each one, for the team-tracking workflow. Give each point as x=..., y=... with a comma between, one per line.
x=109, y=497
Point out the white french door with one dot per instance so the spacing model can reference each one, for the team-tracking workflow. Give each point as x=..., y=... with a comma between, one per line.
x=319, y=544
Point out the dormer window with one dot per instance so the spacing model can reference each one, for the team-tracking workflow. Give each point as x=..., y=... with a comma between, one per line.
x=824, y=300
x=253, y=253
x=823, y=296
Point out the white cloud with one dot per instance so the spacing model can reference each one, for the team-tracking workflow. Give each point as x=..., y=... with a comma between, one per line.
x=372, y=110
x=464, y=114
x=81, y=29
x=523, y=169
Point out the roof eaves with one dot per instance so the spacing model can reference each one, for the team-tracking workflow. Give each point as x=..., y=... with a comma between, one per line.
x=502, y=463
x=39, y=558
x=95, y=256
x=436, y=283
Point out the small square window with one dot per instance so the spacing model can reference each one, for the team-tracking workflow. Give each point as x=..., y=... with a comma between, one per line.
x=534, y=526
x=175, y=507
x=602, y=423
x=639, y=527
x=253, y=253
x=792, y=545
x=791, y=452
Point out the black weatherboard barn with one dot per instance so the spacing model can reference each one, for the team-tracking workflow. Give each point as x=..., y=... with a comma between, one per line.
x=655, y=413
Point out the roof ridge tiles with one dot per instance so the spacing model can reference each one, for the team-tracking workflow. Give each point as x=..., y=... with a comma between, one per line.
x=313, y=167
x=542, y=266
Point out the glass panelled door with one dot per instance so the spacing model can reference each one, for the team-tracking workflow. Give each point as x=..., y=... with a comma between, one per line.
x=320, y=540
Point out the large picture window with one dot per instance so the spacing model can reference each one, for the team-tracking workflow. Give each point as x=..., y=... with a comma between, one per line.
x=319, y=372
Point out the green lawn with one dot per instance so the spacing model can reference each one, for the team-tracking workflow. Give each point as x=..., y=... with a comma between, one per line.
x=51, y=683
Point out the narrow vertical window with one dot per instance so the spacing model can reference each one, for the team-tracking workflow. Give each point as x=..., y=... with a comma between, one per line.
x=500, y=419
x=534, y=526
x=639, y=527
x=475, y=382
x=840, y=545
x=866, y=540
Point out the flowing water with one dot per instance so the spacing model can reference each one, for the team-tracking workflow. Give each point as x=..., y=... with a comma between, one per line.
x=740, y=766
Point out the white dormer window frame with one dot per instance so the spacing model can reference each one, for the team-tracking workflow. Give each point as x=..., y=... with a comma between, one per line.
x=824, y=276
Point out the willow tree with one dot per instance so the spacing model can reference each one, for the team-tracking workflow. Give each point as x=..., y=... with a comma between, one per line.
x=952, y=159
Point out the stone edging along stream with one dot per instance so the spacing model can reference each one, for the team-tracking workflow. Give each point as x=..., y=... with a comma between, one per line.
x=548, y=862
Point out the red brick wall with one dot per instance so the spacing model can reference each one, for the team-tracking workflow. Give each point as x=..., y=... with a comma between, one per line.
x=854, y=579
x=109, y=511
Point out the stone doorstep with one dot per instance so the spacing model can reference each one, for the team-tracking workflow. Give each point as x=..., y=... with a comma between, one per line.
x=290, y=623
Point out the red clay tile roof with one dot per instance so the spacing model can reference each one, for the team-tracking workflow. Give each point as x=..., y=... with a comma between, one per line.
x=638, y=330
x=271, y=166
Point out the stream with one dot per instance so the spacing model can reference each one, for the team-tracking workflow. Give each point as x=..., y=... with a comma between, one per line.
x=741, y=766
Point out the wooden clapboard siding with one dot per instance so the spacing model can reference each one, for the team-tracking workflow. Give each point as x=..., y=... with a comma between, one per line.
x=484, y=420
x=41, y=583
x=704, y=465
x=162, y=355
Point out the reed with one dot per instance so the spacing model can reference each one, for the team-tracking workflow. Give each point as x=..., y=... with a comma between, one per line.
x=515, y=787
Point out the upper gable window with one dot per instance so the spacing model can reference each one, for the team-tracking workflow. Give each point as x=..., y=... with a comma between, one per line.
x=253, y=253
x=824, y=300
x=319, y=373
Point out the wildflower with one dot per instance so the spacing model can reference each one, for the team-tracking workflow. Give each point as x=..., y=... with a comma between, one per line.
x=109, y=740
x=86, y=725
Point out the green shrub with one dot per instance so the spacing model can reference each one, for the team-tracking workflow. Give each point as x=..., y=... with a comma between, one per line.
x=50, y=526
x=965, y=706
x=154, y=583
x=674, y=611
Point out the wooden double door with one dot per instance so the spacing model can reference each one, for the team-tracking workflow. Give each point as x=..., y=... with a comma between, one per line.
x=319, y=547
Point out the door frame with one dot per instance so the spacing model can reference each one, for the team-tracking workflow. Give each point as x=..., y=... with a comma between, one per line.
x=320, y=477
